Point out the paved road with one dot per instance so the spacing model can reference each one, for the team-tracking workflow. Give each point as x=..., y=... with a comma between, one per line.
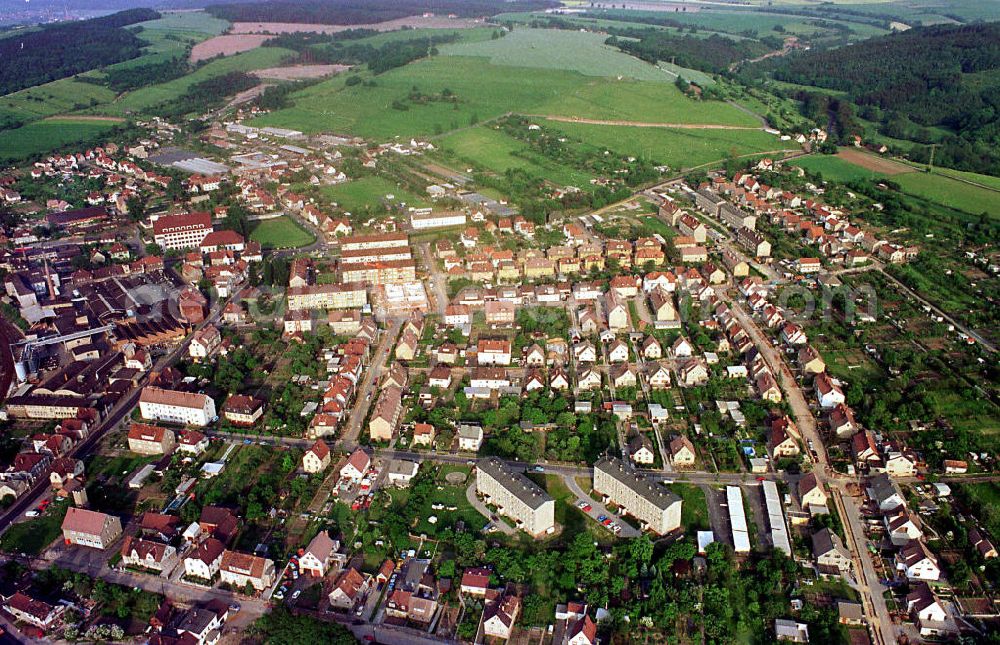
x=365, y=398
x=438, y=279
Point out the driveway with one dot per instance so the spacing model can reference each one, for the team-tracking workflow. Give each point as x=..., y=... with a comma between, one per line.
x=598, y=509
x=500, y=523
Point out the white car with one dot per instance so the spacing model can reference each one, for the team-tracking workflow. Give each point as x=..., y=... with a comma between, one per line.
x=32, y=513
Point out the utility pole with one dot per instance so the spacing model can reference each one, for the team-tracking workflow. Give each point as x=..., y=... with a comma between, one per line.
x=930, y=163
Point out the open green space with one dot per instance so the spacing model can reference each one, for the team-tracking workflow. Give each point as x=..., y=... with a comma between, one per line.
x=835, y=169
x=949, y=192
x=445, y=93
x=644, y=102
x=369, y=191
x=694, y=509
x=198, y=21
x=42, y=136
x=57, y=97
x=489, y=148
x=988, y=181
x=281, y=233
x=676, y=147
x=32, y=536
x=582, y=52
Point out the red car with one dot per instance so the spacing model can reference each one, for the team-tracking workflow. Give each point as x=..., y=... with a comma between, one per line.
x=588, y=508
x=607, y=522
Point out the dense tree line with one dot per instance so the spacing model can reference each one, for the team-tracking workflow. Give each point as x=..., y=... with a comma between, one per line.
x=332, y=49
x=359, y=12
x=205, y=95
x=69, y=48
x=134, y=77
x=913, y=81
x=713, y=54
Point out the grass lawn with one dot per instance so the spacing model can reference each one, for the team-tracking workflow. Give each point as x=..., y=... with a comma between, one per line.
x=948, y=192
x=658, y=226
x=677, y=148
x=281, y=233
x=118, y=466
x=694, y=509
x=489, y=148
x=369, y=191
x=42, y=136
x=835, y=169
x=32, y=536
x=986, y=180
x=850, y=364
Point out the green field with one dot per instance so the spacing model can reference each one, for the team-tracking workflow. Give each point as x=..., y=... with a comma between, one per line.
x=834, y=168
x=367, y=191
x=489, y=148
x=148, y=97
x=481, y=91
x=984, y=180
x=197, y=21
x=582, y=52
x=948, y=192
x=678, y=148
x=42, y=136
x=57, y=97
x=281, y=233
x=626, y=100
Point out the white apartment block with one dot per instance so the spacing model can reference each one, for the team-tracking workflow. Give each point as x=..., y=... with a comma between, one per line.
x=657, y=508
x=183, y=408
x=515, y=496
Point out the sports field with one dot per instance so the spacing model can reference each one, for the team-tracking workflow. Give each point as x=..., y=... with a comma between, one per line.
x=281, y=233
x=42, y=136
x=356, y=194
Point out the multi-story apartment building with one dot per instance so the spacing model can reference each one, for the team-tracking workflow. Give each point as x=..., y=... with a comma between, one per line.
x=657, y=508
x=181, y=231
x=349, y=295
x=376, y=255
x=367, y=242
x=150, y=440
x=183, y=408
x=516, y=496
x=387, y=272
x=385, y=418
x=753, y=242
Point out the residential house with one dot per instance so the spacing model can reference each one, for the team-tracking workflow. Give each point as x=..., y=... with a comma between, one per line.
x=242, y=569
x=315, y=561
x=916, y=562
x=317, y=458
x=682, y=452
x=90, y=528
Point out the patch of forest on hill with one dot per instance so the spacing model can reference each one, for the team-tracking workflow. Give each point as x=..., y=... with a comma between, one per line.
x=332, y=48
x=359, y=12
x=945, y=76
x=713, y=54
x=70, y=48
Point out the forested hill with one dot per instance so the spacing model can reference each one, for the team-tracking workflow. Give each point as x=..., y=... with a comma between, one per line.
x=892, y=71
x=66, y=49
x=944, y=75
x=359, y=12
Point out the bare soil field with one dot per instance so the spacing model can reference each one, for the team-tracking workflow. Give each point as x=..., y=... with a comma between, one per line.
x=869, y=161
x=297, y=72
x=226, y=45
x=416, y=22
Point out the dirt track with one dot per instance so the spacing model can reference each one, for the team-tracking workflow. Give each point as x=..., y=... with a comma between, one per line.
x=642, y=124
x=300, y=71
